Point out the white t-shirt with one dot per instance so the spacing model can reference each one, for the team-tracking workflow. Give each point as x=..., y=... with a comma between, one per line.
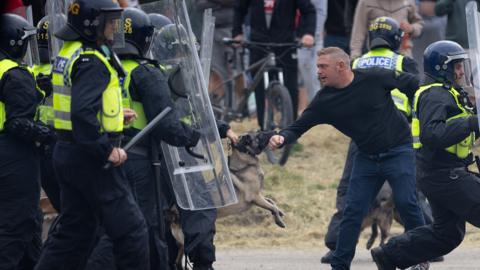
x=268, y=6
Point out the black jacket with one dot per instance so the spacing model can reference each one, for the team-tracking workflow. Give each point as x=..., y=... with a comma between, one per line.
x=21, y=98
x=149, y=87
x=282, y=27
x=434, y=107
x=364, y=111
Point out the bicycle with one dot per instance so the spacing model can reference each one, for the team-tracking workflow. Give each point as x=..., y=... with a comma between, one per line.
x=278, y=105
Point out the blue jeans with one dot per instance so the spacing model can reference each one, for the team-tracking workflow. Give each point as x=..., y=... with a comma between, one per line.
x=397, y=165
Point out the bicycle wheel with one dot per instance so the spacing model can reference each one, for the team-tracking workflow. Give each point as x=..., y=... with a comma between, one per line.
x=279, y=114
x=219, y=96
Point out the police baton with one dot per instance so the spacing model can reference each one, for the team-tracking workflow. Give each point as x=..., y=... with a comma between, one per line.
x=143, y=133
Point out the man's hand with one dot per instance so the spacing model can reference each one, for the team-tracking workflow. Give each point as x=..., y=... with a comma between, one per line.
x=275, y=141
x=406, y=27
x=232, y=136
x=117, y=157
x=308, y=40
x=129, y=116
x=239, y=39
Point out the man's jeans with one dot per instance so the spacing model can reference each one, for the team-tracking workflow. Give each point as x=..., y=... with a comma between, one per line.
x=397, y=165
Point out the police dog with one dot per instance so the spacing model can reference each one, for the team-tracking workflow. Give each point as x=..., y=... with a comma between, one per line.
x=380, y=215
x=247, y=177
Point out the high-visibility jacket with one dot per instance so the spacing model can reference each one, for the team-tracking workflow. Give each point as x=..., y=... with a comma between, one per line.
x=387, y=59
x=461, y=149
x=111, y=114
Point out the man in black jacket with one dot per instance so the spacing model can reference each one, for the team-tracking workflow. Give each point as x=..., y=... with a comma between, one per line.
x=444, y=130
x=358, y=104
x=274, y=21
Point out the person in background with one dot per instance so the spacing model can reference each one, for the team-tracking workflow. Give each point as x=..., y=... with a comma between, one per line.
x=433, y=30
x=405, y=12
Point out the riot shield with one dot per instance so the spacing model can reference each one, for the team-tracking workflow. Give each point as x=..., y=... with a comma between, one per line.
x=473, y=32
x=57, y=11
x=32, y=56
x=207, y=43
x=199, y=175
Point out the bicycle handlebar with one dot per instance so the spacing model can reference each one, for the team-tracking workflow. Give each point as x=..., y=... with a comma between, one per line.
x=246, y=43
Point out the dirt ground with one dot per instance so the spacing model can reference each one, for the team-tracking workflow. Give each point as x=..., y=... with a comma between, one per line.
x=305, y=189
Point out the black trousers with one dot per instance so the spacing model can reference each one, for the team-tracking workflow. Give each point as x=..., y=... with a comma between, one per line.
x=91, y=196
x=288, y=62
x=199, y=231
x=453, y=196
x=141, y=178
x=48, y=179
x=20, y=218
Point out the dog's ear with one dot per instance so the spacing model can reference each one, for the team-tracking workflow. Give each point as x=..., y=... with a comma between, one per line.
x=244, y=143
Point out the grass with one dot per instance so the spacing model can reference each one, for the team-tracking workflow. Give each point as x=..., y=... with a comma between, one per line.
x=305, y=190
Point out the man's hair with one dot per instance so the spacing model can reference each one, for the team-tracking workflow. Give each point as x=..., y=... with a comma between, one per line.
x=336, y=54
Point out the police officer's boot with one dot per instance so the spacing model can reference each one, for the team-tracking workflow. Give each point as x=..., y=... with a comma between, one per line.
x=202, y=267
x=381, y=259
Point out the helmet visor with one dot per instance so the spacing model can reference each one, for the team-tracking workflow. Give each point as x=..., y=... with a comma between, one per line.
x=112, y=28
x=32, y=56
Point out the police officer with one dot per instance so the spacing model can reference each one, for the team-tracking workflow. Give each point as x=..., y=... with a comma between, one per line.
x=443, y=127
x=147, y=92
x=385, y=37
x=43, y=76
x=198, y=226
x=89, y=121
x=159, y=20
x=19, y=165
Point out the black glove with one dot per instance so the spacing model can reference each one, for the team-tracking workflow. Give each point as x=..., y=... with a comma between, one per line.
x=45, y=83
x=29, y=130
x=473, y=123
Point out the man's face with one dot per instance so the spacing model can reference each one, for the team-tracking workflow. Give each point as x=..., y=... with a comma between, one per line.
x=459, y=73
x=109, y=30
x=327, y=70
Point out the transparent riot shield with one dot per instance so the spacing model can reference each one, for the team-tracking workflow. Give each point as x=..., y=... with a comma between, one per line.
x=32, y=56
x=207, y=43
x=57, y=11
x=199, y=174
x=473, y=32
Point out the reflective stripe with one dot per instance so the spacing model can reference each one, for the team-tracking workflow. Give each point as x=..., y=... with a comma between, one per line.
x=110, y=116
x=461, y=149
x=5, y=65
x=387, y=59
x=141, y=120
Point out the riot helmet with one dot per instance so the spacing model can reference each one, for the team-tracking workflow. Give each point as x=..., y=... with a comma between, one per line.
x=139, y=32
x=447, y=62
x=170, y=44
x=385, y=32
x=44, y=36
x=15, y=35
x=94, y=21
x=158, y=20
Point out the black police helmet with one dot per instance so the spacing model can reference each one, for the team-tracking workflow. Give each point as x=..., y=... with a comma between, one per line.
x=86, y=19
x=44, y=35
x=439, y=59
x=385, y=32
x=138, y=32
x=15, y=33
x=169, y=41
x=158, y=20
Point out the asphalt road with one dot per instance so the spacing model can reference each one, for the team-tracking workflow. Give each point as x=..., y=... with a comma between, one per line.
x=460, y=259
